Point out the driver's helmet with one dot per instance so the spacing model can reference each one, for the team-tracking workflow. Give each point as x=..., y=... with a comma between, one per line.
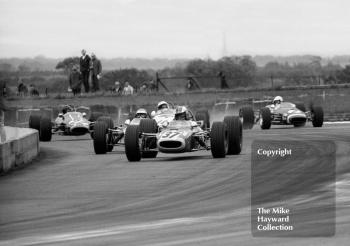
x=277, y=100
x=141, y=113
x=162, y=105
x=181, y=113
x=67, y=108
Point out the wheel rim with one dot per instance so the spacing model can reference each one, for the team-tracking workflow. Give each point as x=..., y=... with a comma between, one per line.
x=261, y=121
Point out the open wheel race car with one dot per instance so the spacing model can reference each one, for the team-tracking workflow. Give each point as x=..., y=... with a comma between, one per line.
x=284, y=113
x=72, y=121
x=146, y=139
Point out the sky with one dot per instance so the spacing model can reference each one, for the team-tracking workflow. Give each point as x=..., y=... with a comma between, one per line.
x=174, y=28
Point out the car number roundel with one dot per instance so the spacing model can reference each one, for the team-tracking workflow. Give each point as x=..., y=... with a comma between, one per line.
x=170, y=134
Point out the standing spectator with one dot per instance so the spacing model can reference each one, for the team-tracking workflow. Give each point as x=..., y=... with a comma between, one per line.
x=223, y=83
x=117, y=88
x=189, y=85
x=128, y=89
x=84, y=69
x=96, y=69
x=75, y=81
x=152, y=86
x=33, y=91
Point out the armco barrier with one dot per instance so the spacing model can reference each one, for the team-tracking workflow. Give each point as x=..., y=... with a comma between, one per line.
x=21, y=146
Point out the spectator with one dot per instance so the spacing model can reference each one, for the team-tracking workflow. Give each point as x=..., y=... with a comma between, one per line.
x=75, y=81
x=22, y=90
x=84, y=69
x=143, y=88
x=96, y=69
x=152, y=86
x=33, y=91
x=128, y=89
x=117, y=88
x=223, y=83
x=189, y=85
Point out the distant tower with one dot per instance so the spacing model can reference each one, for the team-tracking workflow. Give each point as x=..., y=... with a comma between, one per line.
x=224, y=47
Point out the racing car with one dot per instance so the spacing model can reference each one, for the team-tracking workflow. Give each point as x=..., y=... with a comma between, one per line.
x=183, y=134
x=106, y=135
x=287, y=113
x=71, y=121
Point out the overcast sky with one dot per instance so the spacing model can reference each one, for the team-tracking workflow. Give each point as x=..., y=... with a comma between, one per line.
x=173, y=28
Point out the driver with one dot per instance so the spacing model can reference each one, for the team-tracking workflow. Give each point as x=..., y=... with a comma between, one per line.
x=141, y=113
x=163, y=105
x=277, y=100
x=181, y=113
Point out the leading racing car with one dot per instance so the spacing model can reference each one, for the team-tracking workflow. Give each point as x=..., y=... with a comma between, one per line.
x=183, y=134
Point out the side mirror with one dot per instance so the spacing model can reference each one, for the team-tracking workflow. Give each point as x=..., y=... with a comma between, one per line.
x=127, y=122
x=84, y=114
x=153, y=113
x=60, y=115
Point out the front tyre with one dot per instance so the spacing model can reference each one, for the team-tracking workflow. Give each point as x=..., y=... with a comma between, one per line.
x=100, y=138
x=132, y=147
x=265, y=118
x=218, y=140
x=317, y=116
x=149, y=126
x=45, y=132
x=247, y=113
x=234, y=131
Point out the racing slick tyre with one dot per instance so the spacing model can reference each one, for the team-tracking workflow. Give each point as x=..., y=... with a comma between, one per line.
x=110, y=125
x=300, y=106
x=34, y=122
x=100, y=138
x=204, y=116
x=218, y=140
x=149, y=126
x=317, y=116
x=234, y=132
x=131, y=139
x=45, y=132
x=247, y=113
x=265, y=118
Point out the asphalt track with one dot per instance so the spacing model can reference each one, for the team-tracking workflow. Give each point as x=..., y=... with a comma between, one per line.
x=70, y=196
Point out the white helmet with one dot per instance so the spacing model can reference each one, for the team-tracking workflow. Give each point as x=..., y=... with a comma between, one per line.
x=277, y=99
x=181, y=113
x=141, y=113
x=161, y=105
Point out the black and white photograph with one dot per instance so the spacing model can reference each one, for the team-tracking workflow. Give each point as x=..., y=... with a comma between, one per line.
x=174, y=122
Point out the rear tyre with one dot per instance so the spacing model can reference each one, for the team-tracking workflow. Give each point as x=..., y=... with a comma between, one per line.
x=204, y=116
x=317, y=116
x=300, y=106
x=265, y=118
x=45, y=132
x=149, y=126
x=247, y=113
x=100, y=138
x=218, y=140
x=132, y=147
x=34, y=122
x=234, y=131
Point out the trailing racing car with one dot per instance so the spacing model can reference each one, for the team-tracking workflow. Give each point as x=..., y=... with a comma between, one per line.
x=71, y=121
x=183, y=134
x=286, y=113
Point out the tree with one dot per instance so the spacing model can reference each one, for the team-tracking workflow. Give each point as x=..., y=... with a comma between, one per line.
x=68, y=63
